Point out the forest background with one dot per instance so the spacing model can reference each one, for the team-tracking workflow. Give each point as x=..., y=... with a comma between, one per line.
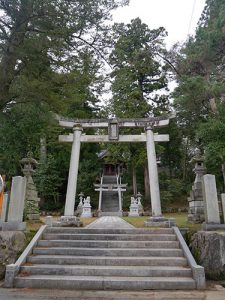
x=59, y=60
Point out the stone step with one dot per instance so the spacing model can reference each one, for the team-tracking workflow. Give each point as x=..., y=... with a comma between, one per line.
x=90, y=270
x=108, y=206
x=107, y=260
x=110, y=237
x=133, y=231
x=110, y=210
x=104, y=283
x=109, y=244
x=107, y=251
x=109, y=201
x=109, y=179
x=108, y=198
x=113, y=212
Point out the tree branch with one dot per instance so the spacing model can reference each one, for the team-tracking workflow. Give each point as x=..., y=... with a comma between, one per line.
x=169, y=63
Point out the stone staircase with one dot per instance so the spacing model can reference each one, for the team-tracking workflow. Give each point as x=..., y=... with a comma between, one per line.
x=110, y=202
x=112, y=259
x=110, y=199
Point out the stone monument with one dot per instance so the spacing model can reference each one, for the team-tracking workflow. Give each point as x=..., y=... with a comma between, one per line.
x=211, y=205
x=31, y=210
x=86, y=209
x=16, y=205
x=195, y=200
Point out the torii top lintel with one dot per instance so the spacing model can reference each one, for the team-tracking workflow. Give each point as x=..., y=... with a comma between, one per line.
x=101, y=123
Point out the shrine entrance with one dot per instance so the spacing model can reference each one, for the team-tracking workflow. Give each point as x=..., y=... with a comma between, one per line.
x=114, y=125
x=109, y=170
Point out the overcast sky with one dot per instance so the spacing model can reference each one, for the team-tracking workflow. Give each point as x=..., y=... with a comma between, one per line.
x=179, y=17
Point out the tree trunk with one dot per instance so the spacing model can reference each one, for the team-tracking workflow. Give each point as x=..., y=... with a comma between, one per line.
x=146, y=181
x=11, y=53
x=134, y=177
x=43, y=150
x=185, y=159
x=223, y=171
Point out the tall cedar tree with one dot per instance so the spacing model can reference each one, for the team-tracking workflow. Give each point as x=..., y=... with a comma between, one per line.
x=137, y=74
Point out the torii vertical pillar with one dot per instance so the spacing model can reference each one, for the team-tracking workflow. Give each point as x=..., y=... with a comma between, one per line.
x=153, y=174
x=73, y=172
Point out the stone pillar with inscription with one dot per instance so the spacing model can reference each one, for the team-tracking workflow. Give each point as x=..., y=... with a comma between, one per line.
x=212, y=214
x=16, y=205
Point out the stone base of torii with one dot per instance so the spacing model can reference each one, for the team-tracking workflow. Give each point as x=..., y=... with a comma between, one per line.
x=113, y=125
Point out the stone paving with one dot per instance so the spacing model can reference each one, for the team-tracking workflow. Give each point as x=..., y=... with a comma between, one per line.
x=110, y=222
x=218, y=293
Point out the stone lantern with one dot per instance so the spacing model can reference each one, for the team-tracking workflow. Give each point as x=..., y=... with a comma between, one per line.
x=140, y=206
x=80, y=205
x=31, y=199
x=196, y=204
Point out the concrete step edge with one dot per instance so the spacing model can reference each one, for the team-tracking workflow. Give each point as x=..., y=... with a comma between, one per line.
x=116, y=278
x=172, y=268
x=107, y=260
x=110, y=258
x=110, y=244
x=111, y=252
x=92, y=270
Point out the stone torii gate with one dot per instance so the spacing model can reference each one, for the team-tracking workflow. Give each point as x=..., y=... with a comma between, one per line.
x=113, y=125
x=118, y=187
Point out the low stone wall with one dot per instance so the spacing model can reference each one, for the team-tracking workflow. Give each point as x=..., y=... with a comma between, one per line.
x=12, y=244
x=208, y=249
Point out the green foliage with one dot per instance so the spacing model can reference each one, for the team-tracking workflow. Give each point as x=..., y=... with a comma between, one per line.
x=172, y=153
x=89, y=170
x=50, y=56
x=20, y=132
x=48, y=182
x=199, y=97
x=40, y=38
x=171, y=190
x=201, y=68
x=212, y=137
x=191, y=103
